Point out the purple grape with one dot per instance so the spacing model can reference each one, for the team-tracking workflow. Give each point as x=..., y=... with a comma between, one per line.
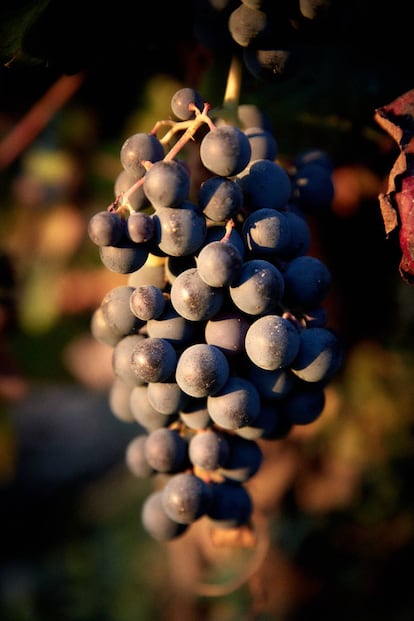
x=167, y=184
x=237, y=404
x=156, y=522
x=135, y=457
x=166, y=451
x=138, y=148
x=219, y=263
x=180, y=103
x=105, y=228
x=202, y=370
x=193, y=298
x=153, y=360
x=220, y=198
x=186, y=497
x=225, y=150
x=259, y=287
x=272, y=342
x=208, y=449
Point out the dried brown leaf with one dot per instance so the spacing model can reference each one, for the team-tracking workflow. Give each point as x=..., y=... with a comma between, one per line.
x=397, y=204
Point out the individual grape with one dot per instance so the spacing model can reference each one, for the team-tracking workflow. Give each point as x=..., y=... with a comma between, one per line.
x=172, y=326
x=117, y=313
x=208, y=449
x=300, y=235
x=263, y=144
x=307, y=282
x=235, y=405
x=121, y=359
x=137, y=200
x=304, y=405
x=248, y=26
x=147, y=302
x=156, y=522
x=153, y=360
x=259, y=287
x=186, y=497
x=220, y=198
x=105, y=228
x=231, y=505
x=140, y=227
x=202, y=370
x=225, y=150
x=181, y=100
x=312, y=188
x=193, y=298
x=124, y=180
x=271, y=385
x=166, y=451
x=118, y=399
x=135, y=457
x=218, y=232
x=272, y=342
x=125, y=257
x=265, y=425
x=144, y=413
x=219, y=263
x=167, y=184
x=227, y=331
x=319, y=355
x=267, y=233
x=195, y=414
x=244, y=461
x=179, y=231
x=271, y=65
x=166, y=397
x=265, y=185
x=102, y=331
x=138, y=148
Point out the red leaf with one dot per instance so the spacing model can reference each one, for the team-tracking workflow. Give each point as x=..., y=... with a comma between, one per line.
x=405, y=201
x=397, y=204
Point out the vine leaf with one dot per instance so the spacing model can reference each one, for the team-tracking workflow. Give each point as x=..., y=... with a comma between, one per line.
x=397, y=203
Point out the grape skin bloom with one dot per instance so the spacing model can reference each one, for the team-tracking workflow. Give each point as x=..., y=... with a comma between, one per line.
x=225, y=151
x=272, y=342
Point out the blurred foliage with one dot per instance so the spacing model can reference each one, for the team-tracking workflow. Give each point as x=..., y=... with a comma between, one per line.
x=337, y=495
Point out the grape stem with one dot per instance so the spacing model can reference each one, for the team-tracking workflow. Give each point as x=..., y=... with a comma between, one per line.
x=299, y=323
x=233, y=85
x=191, y=127
x=229, y=228
x=229, y=108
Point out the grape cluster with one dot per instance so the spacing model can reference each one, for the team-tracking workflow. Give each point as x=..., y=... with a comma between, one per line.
x=219, y=337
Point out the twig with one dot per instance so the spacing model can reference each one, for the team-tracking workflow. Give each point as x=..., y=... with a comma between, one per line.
x=26, y=130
